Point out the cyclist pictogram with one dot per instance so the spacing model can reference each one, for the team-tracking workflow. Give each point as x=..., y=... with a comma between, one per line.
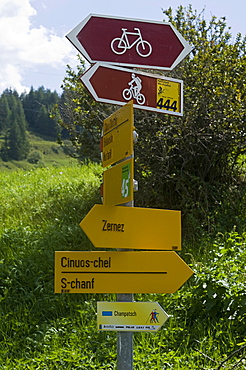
x=134, y=90
x=120, y=45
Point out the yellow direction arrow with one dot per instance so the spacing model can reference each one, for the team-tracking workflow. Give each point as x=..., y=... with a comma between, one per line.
x=130, y=316
x=119, y=272
x=117, y=140
x=133, y=228
x=118, y=183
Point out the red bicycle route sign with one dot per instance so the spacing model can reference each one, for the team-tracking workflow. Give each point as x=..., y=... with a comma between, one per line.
x=129, y=42
x=117, y=85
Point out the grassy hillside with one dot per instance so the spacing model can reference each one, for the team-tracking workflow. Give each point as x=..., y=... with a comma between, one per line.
x=43, y=152
x=40, y=212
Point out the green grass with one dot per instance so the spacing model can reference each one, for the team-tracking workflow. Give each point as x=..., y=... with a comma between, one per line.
x=49, y=150
x=40, y=213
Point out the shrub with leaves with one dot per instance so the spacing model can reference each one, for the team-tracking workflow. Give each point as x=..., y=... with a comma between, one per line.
x=217, y=290
x=194, y=163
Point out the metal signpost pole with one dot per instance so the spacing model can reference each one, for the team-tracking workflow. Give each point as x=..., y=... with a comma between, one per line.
x=125, y=341
x=125, y=338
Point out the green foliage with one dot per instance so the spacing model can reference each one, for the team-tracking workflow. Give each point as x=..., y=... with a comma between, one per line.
x=35, y=157
x=40, y=213
x=219, y=283
x=194, y=163
x=4, y=112
x=16, y=145
x=207, y=313
x=4, y=150
x=49, y=152
x=80, y=117
x=18, y=113
x=37, y=105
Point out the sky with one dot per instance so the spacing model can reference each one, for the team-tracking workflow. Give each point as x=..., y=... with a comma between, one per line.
x=35, y=52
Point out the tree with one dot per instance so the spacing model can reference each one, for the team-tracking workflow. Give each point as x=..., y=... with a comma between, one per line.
x=4, y=113
x=191, y=163
x=5, y=150
x=16, y=145
x=80, y=116
x=14, y=140
x=37, y=107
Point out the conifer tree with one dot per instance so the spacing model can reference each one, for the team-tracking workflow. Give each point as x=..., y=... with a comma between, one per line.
x=14, y=140
x=16, y=143
x=4, y=113
x=37, y=107
x=4, y=153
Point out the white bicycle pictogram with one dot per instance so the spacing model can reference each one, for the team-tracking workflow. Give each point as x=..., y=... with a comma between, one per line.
x=134, y=90
x=120, y=45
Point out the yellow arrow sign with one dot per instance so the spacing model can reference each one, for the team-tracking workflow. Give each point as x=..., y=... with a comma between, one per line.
x=117, y=140
x=133, y=228
x=118, y=183
x=119, y=272
x=130, y=316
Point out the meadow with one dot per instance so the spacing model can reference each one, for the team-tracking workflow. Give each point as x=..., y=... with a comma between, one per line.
x=41, y=208
x=44, y=151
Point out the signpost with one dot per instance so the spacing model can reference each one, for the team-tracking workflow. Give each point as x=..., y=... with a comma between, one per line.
x=117, y=139
x=119, y=272
x=129, y=42
x=118, y=183
x=118, y=42
x=130, y=316
x=133, y=228
x=117, y=145
x=117, y=85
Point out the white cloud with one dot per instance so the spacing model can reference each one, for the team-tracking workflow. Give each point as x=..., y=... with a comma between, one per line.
x=24, y=47
x=10, y=77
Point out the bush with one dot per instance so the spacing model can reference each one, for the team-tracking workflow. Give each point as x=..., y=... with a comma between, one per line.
x=35, y=157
